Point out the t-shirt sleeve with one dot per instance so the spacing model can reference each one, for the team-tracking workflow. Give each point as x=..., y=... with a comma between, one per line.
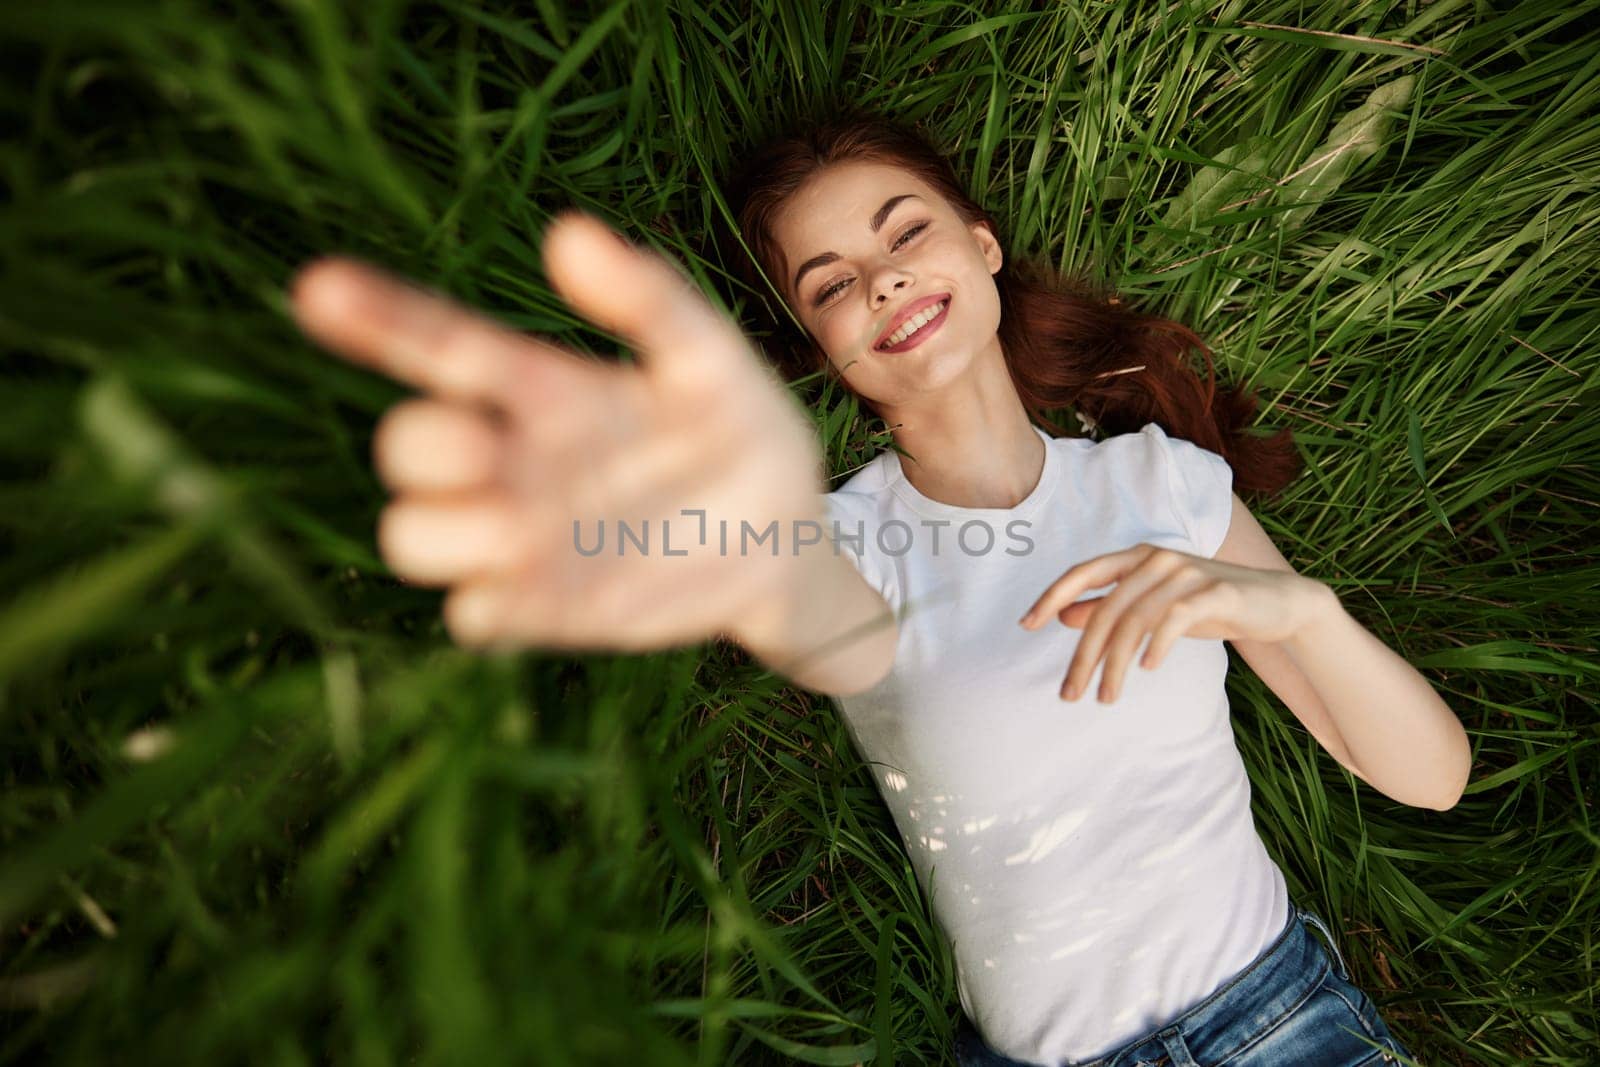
x=1201, y=486
x=852, y=516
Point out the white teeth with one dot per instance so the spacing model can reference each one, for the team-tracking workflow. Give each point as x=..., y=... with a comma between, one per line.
x=915, y=323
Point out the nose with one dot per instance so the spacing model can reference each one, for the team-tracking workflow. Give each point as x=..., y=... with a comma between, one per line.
x=887, y=282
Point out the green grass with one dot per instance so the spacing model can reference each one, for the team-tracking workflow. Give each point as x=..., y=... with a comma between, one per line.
x=336, y=837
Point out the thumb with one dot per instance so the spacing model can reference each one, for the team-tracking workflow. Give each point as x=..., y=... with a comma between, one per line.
x=647, y=300
x=1079, y=612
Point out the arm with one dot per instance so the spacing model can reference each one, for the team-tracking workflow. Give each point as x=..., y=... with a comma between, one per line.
x=828, y=630
x=1367, y=706
x=1405, y=738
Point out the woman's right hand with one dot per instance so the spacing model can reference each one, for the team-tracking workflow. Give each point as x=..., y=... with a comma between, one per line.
x=518, y=438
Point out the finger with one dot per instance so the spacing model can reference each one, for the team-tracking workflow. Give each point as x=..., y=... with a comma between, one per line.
x=425, y=446
x=439, y=541
x=1133, y=585
x=647, y=300
x=1078, y=613
x=1090, y=574
x=1142, y=616
x=1178, y=623
x=427, y=341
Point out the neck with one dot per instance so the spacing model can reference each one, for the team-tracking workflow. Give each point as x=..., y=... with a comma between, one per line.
x=970, y=443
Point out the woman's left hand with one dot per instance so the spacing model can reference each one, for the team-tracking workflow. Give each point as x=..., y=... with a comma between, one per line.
x=1175, y=594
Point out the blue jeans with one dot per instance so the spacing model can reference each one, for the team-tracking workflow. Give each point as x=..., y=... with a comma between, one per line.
x=1314, y=1016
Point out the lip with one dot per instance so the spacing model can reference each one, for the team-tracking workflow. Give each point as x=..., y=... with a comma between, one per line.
x=905, y=314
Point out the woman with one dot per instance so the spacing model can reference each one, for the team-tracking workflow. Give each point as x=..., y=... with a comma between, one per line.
x=1094, y=866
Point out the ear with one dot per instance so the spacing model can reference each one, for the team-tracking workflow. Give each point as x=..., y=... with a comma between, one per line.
x=984, y=235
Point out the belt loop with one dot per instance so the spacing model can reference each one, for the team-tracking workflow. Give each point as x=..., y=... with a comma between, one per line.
x=1177, y=1048
x=1316, y=920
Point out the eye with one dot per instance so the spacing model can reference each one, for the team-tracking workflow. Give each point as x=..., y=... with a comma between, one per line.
x=827, y=294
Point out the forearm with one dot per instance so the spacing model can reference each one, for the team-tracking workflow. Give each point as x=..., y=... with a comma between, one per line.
x=1406, y=740
x=828, y=630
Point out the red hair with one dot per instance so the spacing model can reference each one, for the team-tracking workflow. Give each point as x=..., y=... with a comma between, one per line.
x=1068, y=342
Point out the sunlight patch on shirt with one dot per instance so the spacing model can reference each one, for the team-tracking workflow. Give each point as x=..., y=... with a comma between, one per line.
x=1047, y=838
x=1197, y=831
x=1077, y=946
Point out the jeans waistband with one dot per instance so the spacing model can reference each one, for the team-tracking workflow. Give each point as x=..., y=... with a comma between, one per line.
x=1280, y=979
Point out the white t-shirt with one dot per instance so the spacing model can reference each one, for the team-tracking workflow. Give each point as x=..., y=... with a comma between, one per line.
x=1095, y=867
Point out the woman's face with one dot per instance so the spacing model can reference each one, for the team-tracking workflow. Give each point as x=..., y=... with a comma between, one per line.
x=854, y=280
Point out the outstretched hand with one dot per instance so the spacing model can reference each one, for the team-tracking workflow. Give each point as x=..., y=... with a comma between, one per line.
x=517, y=439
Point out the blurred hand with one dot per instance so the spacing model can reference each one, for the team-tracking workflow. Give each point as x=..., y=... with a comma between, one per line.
x=519, y=437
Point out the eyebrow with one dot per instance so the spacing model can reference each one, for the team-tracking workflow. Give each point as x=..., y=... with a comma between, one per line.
x=877, y=224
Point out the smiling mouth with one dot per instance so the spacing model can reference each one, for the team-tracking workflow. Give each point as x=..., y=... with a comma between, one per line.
x=921, y=334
